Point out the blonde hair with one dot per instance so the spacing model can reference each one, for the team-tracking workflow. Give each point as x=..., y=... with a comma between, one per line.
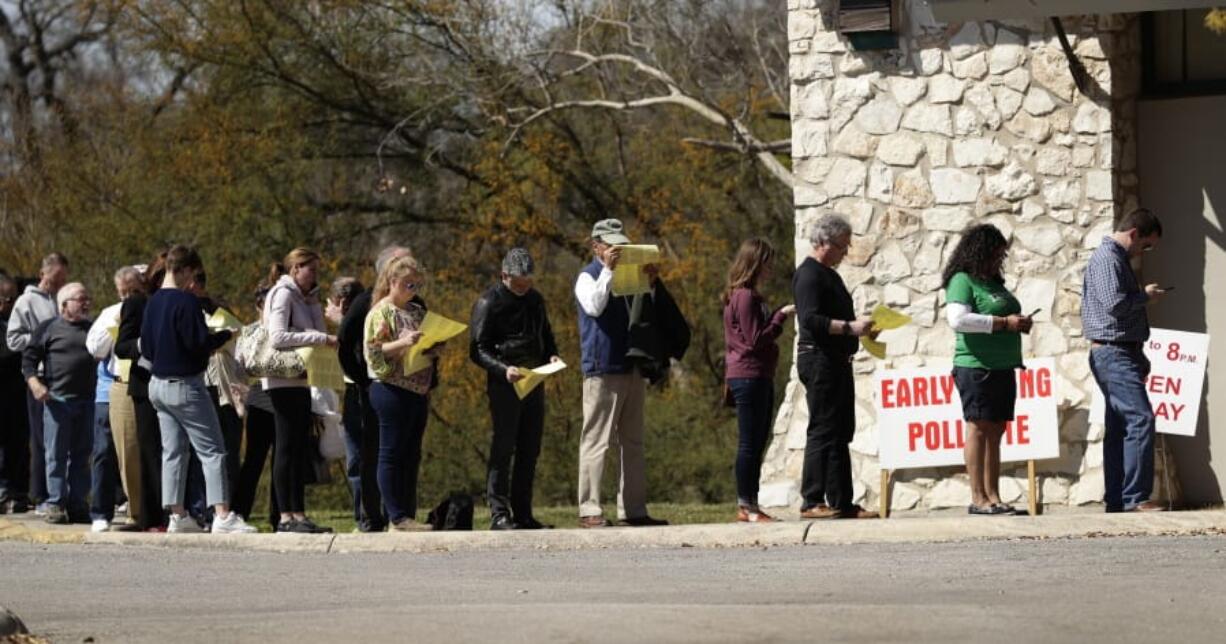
x=295, y=258
x=395, y=270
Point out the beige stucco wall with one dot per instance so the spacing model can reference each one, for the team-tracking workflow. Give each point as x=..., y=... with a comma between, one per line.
x=1182, y=151
x=963, y=123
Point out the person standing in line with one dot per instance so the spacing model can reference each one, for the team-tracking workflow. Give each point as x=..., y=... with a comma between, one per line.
x=1114, y=320
x=62, y=376
x=510, y=329
x=151, y=513
x=35, y=306
x=614, y=388
x=116, y=453
x=401, y=402
x=294, y=318
x=177, y=344
x=751, y=332
x=14, y=425
x=828, y=338
x=351, y=353
x=340, y=299
x=261, y=433
x=988, y=321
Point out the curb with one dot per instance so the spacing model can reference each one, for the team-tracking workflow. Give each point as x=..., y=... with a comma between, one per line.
x=724, y=535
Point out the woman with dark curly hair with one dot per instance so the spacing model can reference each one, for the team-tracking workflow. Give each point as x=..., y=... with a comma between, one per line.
x=988, y=323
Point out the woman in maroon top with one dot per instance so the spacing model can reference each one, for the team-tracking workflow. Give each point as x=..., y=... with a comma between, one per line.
x=751, y=332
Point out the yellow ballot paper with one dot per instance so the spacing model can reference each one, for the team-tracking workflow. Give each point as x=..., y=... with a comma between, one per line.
x=873, y=347
x=533, y=377
x=434, y=329
x=123, y=368
x=323, y=367
x=223, y=319
x=628, y=277
x=884, y=319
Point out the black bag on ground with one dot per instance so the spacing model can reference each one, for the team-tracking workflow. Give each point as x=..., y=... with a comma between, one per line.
x=454, y=513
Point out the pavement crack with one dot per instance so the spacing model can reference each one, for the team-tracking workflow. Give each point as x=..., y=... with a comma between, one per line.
x=331, y=541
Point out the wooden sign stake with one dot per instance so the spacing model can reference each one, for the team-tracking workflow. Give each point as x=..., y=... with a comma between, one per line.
x=1033, y=501
x=884, y=495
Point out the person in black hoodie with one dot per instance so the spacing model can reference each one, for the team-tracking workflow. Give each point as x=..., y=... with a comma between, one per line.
x=510, y=331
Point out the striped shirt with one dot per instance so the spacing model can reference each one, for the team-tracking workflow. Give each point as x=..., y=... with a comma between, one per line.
x=1113, y=303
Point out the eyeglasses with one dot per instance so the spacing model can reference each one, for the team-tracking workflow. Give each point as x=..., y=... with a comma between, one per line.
x=80, y=298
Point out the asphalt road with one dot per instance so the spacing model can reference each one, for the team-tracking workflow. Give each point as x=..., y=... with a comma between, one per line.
x=1165, y=589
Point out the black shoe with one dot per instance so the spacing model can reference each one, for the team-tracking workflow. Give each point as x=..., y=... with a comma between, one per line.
x=314, y=529
x=643, y=522
x=501, y=522
x=56, y=515
x=531, y=524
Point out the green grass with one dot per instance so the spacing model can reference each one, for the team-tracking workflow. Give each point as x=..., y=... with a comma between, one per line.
x=559, y=516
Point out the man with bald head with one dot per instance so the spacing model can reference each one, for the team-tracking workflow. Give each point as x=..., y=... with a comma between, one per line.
x=35, y=306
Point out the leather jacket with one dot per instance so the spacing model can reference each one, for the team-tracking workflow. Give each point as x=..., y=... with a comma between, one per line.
x=510, y=331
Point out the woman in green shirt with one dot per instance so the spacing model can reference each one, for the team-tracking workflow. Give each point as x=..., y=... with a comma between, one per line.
x=988, y=323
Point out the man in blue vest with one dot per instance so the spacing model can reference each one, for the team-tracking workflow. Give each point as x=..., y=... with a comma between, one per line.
x=614, y=389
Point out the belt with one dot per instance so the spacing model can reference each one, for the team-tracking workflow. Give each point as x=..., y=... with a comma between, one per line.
x=1116, y=343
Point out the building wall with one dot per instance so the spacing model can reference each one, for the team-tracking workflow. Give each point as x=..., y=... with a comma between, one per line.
x=963, y=123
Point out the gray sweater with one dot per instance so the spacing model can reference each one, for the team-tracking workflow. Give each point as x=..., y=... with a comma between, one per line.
x=34, y=307
x=69, y=371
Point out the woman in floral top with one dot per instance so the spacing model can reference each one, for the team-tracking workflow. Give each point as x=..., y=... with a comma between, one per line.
x=400, y=403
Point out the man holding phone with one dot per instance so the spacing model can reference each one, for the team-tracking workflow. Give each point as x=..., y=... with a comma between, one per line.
x=1114, y=320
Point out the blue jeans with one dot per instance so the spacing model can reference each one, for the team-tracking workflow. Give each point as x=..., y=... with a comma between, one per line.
x=68, y=434
x=351, y=418
x=105, y=466
x=186, y=416
x=754, y=399
x=402, y=423
x=1128, y=445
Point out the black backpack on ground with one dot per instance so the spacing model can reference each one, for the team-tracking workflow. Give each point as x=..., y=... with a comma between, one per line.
x=454, y=513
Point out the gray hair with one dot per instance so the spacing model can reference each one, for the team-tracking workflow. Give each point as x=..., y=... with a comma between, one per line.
x=827, y=229
x=518, y=263
x=53, y=260
x=128, y=279
x=388, y=254
x=67, y=292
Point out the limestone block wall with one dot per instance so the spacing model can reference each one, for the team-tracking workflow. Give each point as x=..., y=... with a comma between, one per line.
x=962, y=123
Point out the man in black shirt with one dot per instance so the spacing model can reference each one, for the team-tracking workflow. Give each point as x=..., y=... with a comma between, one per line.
x=827, y=340
x=511, y=332
x=14, y=427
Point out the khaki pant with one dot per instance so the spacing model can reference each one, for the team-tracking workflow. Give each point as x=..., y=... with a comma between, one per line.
x=613, y=415
x=127, y=449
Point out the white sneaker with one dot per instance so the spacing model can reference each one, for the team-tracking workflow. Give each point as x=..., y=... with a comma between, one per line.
x=232, y=524
x=121, y=510
x=183, y=525
x=99, y=525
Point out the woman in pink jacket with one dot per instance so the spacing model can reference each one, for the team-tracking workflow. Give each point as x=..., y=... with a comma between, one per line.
x=294, y=318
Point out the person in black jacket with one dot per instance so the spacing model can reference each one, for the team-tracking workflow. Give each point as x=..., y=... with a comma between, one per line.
x=148, y=434
x=828, y=337
x=14, y=427
x=510, y=331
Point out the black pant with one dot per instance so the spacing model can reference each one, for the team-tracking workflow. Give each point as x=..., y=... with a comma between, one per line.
x=374, y=518
x=261, y=432
x=38, y=455
x=14, y=442
x=831, y=396
x=292, y=419
x=149, y=439
x=518, y=425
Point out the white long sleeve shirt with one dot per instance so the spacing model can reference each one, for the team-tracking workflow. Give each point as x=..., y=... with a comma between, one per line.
x=962, y=320
x=593, y=294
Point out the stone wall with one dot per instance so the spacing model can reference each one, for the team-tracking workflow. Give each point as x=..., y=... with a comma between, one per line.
x=962, y=123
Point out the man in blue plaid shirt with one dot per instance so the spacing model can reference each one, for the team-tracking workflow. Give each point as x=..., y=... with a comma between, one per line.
x=1113, y=319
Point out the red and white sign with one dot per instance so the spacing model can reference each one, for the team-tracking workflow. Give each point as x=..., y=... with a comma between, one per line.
x=1176, y=379
x=919, y=417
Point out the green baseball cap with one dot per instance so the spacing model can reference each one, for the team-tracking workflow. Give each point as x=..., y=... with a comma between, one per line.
x=609, y=231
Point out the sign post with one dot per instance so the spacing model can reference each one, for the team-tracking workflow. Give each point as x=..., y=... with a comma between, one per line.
x=919, y=422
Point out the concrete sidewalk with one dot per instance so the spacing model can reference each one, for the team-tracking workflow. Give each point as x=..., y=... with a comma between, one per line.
x=728, y=535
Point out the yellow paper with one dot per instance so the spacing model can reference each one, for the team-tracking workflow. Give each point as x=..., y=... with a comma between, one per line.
x=534, y=377
x=873, y=347
x=628, y=277
x=434, y=329
x=323, y=367
x=123, y=370
x=223, y=319
x=885, y=318
x=113, y=331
